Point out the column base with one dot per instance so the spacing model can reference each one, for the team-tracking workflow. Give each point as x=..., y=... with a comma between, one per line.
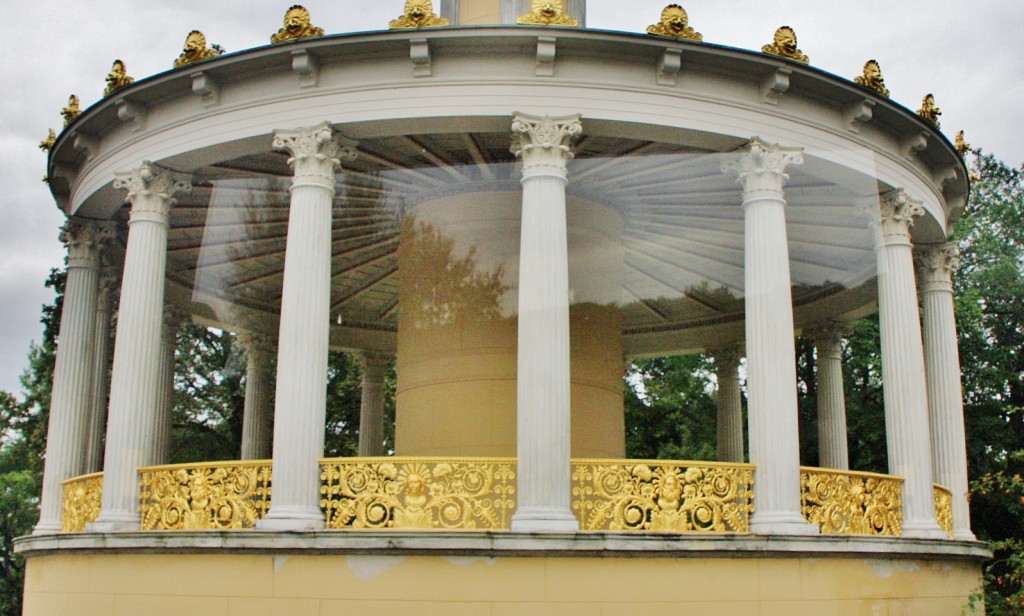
x=963, y=535
x=923, y=530
x=47, y=528
x=781, y=523
x=115, y=523
x=544, y=520
x=292, y=520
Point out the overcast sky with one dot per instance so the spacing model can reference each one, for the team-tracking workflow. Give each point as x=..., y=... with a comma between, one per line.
x=970, y=55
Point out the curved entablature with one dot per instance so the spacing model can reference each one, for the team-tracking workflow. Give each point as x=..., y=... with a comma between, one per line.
x=704, y=96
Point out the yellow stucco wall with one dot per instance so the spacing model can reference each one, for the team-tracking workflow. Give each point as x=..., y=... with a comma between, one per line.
x=258, y=585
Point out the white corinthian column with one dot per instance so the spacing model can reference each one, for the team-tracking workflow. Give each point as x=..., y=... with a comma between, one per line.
x=371, y=404
x=135, y=382
x=936, y=265
x=903, y=376
x=300, y=398
x=256, y=418
x=109, y=279
x=730, y=406
x=71, y=398
x=771, y=369
x=542, y=409
x=833, y=450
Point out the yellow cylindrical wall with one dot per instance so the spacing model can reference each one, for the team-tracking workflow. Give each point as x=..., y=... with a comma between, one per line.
x=479, y=12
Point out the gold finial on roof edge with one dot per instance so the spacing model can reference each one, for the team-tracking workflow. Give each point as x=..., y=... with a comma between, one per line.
x=72, y=111
x=929, y=111
x=675, y=23
x=960, y=143
x=784, y=46
x=47, y=144
x=418, y=14
x=297, y=25
x=195, y=49
x=546, y=13
x=872, y=78
x=117, y=78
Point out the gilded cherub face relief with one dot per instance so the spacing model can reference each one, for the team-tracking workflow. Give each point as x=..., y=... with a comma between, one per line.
x=195, y=42
x=785, y=38
x=872, y=72
x=117, y=70
x=296, y=19
x=546, y=8
x=674, y=18
x=418, y=10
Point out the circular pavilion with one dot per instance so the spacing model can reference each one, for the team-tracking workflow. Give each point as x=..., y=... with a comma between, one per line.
x=507, y=213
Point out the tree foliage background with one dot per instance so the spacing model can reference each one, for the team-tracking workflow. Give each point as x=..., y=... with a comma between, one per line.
x=669, y=401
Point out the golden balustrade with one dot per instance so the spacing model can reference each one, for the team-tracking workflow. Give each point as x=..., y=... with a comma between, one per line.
x=204, y=496
x=852, y=503
x=662, y=496
x=944, y=508
x=418, y=493
x=82, y=499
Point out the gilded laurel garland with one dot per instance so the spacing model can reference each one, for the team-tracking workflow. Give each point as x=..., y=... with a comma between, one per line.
x=211, y=496
x=850, y=503
x=656, y=496
x=418, y=493
x=82, y=498
x=944, y=509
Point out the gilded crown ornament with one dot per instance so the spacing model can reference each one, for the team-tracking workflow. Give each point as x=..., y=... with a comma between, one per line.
x=546, y=13
x=785, y=45
x=675, y=23
x=195, y=49
x=929, y=111
x=117, y=78
x=872, y=78
x=72, y=111
x=418, y=14
x=47, y=144
x=296, y=26
x=960, y=143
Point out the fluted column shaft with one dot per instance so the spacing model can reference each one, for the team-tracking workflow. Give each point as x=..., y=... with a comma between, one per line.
x=730, y=406
x=833, y=450
x=300, y=399
x=134, y=387
x=256, y=418
x=71, y=397
x=903, y=375
x=173, y=317
x=101, y=372
x=542, y=409
x=936, y=265
x=371, y=404
x=771, y=370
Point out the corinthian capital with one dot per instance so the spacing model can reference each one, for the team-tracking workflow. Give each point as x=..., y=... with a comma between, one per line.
x=762, y=168
x=85, y=240
x=936, y=265
x=828, y=336
x=374, y=364
x=257, y=347
x=727, y=358
x=315, y=150
x=150, y=190
x=895, y=216
x=543, y=143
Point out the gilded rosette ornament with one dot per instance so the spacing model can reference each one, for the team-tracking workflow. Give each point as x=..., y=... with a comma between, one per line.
x=47, y=144
x=849, y=503
x=675, y=24
x=82, y=498
x=546, y=13
x=297, y=25
x=117, y=78
x=944, y=509
x=655, y=496
x=72, y=111
x=418, y=14
x=784, y=45
x=872, y=78
x=195, y=49
x=418, y=494
x=215, y=496
x=960, y=143
x=929, y=111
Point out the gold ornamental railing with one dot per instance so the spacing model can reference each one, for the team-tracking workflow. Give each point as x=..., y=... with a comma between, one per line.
x=82, y=498
x=204, y=496
x=852, y=503
x=418, y=493
x=944, y=508
x=662, y=496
